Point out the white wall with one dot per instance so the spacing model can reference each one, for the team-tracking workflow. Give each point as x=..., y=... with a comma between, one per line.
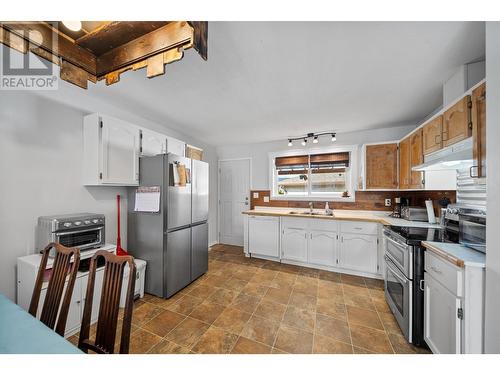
x=492, y=316
x=259, y=152
x=40, y=169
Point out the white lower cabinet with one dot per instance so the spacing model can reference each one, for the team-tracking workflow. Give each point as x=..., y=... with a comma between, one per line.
x=263, y=236
x=323, y=247
x=441, y=324
x=294, y=244
x=358, y=252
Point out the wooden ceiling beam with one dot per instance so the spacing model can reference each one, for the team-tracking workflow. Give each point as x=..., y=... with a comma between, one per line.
x=174, y=35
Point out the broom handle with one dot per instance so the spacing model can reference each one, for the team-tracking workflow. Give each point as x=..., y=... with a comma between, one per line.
x=118, y=238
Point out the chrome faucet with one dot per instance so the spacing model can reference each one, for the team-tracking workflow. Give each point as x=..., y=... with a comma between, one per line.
x=311, y=207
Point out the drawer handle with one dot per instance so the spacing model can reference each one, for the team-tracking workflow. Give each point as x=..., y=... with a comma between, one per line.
x=436, y=270
x=358, y=228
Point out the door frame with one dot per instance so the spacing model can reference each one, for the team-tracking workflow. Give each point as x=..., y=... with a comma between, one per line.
x=250, y=174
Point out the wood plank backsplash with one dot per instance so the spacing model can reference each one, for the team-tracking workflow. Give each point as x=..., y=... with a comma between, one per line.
x=365, y=200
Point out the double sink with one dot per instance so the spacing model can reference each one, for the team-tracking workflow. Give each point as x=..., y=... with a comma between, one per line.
x=311, y=213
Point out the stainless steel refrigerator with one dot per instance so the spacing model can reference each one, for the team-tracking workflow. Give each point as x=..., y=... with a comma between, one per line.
x=173, y=241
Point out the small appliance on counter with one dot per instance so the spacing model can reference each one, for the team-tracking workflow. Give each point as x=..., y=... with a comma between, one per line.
x=83, y=230
x=399, y=203
x=414, y=213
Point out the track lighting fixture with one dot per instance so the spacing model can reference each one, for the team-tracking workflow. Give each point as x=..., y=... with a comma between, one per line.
x=314, y=136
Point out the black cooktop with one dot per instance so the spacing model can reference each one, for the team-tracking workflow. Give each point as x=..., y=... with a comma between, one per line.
x=414, y=235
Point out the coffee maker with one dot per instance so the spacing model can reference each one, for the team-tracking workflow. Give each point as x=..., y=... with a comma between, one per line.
x=399, y=202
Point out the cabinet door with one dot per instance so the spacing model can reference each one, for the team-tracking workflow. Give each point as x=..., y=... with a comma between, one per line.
x=263, y=235
x=120, y=152
x=153, y=143
x=404, y=164
x=75, y=308
x=479, y=130
x=175, y=146
x=442, y=327
x=322, y=248
x=381, y=163
x=432, y=135
x=294, y=244
x=416, y=158
x=456, y=122
x=358, y=252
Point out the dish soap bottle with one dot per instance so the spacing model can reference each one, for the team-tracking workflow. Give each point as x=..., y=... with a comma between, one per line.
x=327, y=209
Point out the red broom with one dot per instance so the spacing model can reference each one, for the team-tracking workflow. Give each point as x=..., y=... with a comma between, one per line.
x=119, y=249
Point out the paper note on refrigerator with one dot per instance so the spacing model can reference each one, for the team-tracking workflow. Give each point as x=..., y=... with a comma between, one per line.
x=147, y=199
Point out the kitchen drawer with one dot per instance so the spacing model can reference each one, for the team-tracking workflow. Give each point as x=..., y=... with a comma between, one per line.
x=295, y=222
x=323, y=225
x=449, y=275
x=359, y=227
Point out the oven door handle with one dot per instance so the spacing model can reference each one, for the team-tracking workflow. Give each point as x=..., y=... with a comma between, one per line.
x=394, y=271
x=397, y=243
x=59, y=234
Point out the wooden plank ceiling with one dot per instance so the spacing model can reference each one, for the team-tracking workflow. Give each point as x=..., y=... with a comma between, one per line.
x=106, y=49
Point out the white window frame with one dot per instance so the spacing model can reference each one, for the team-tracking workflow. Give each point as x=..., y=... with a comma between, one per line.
x=353, y=166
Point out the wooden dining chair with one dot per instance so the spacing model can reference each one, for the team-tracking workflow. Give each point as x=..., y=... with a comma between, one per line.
x=107, y=320
x=66, y=262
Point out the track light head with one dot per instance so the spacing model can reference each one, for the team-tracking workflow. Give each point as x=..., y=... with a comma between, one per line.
x=290, y=143
x=315, y=139
x=334, y=137
x=304, y=142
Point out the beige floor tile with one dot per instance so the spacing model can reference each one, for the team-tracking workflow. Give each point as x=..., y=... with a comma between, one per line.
x=235, y=284
x=215, y=341
x=255, y=289
x=188, y=332
x=329, y=276
x=302, y=301
x=145, y=313
x=330, y=307
x=372, y=339
x=270, y=310
x=247, y=346
x=261, y=330
x=326, y=345
x=278, y=295
x=245, y=302
x=142, y=341
x=223, y=297
x=185, y=305
x=168, y=347
x=293, y=340
x=207, y=312
x=333, y=328
x=202, y=291
x=299, y=318
x=363, y=317
x=390, y=323
x=352, y=280
x=401, y=346
x=232, y=320
x=163, y=323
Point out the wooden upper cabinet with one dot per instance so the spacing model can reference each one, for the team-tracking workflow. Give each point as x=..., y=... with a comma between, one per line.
x=432, y=135
x=382, y=166
x=479, y=131
x=404, y=163
x=416, y=158
x=456, y=122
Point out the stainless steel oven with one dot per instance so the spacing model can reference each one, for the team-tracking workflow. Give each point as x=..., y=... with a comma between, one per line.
x=84, y=231
x=472, y=228
x=399, y=252
x=398, y=294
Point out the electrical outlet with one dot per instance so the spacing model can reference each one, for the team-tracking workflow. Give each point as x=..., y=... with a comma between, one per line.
x=388, y=202
x=266, y=199
x=255, y=194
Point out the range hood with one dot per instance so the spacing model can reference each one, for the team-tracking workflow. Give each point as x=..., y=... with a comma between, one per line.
x=457, y=156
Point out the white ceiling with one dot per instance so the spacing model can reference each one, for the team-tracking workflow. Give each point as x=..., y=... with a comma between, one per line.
x=265, y=81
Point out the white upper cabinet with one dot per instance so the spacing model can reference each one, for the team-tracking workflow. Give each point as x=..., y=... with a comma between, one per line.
x=176, y=147
x=153, y=143
x=120, y=152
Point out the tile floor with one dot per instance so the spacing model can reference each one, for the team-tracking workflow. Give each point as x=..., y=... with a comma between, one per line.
x=244, y=305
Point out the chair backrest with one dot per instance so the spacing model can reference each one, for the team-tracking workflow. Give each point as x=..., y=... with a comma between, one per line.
x=66, y=262
x=107, y=320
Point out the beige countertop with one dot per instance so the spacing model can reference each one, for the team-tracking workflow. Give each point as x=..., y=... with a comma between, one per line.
x=457, y=254
x=381, y=217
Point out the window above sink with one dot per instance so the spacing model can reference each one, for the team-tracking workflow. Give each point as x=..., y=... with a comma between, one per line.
x=314, y=174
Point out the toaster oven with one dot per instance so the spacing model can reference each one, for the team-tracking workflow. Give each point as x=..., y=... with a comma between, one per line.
x=84, y=230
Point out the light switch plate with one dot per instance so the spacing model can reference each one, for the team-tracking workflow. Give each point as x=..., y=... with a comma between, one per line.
x=388, y=202
x=255, y=194
x=266, y=199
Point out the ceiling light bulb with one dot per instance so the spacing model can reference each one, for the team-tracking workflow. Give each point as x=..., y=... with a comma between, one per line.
x=334, y=137
x=315, y=140
x=73, y=25
x=290, y=144
x=304, y=142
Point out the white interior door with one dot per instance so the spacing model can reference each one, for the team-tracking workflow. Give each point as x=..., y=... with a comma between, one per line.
x=234, y=198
